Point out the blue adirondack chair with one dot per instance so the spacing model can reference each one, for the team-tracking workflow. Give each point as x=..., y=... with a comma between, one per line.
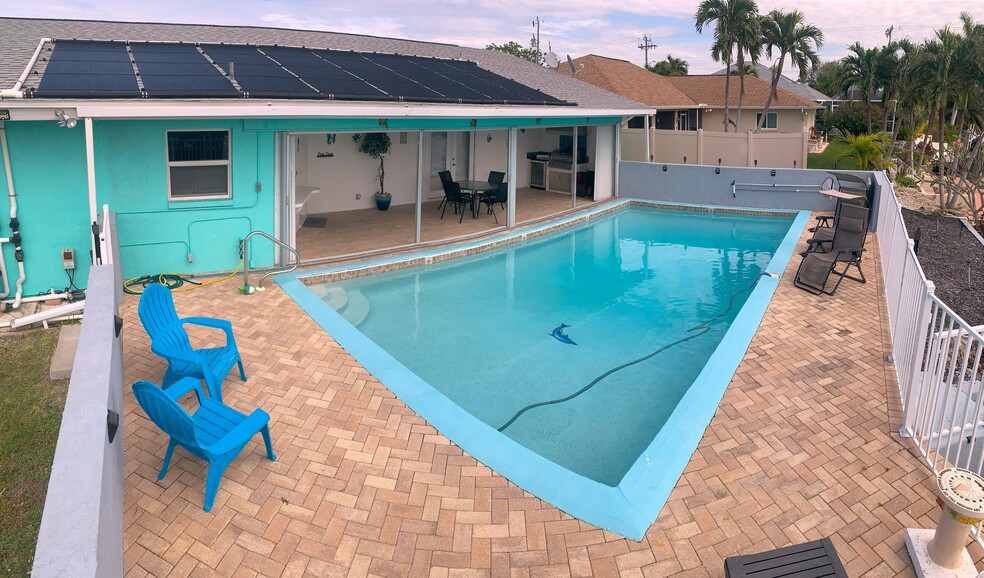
x=215, y=433
x=170, y=340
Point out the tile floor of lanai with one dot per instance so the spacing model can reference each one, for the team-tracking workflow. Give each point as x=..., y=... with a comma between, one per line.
x=803, y=445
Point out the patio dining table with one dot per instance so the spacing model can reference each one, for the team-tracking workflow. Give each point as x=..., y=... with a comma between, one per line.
x=476, y=189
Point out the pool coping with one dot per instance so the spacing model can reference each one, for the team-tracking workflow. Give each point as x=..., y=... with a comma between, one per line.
x=628, y=508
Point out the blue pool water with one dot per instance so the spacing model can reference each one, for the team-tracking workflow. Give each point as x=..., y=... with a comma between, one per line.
x=479, y=329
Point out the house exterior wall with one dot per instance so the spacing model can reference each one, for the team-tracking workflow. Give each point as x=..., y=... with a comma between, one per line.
x=49, y=173
x=156, y=235
x=786, y=120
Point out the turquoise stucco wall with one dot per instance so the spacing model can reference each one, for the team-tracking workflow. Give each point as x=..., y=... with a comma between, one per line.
x=155, y=235
x=49, y=170
x=49, y=173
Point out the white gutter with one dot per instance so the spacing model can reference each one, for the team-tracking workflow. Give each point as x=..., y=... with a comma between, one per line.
x=16, y=91
x=144, y=109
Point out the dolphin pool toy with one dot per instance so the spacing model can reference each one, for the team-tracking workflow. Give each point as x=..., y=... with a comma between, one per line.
x=560, y=335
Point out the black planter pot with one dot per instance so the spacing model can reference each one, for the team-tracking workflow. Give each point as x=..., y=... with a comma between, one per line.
x=383, y=203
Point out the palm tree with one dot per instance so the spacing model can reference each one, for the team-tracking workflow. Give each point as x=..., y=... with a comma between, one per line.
x=860, y=69
x=941, y=75
x=869, y=151
x=735, y=22
x=748, y=38
x=791, y=36
x=670, y=67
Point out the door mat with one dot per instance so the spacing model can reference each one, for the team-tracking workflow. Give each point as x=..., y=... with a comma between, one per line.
x=315, y=222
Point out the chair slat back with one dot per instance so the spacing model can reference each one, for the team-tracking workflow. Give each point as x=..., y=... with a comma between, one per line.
x=496, y=178
x=452, y=191
x=852, y=228
x=166, y=413
x=160, y=319
x=445, y=177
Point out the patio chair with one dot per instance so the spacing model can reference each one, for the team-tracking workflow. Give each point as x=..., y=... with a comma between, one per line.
x=498, y=197
x=169, y=340
x=846, y=247
x=445, y=177
x=827, y=224
x=215, y=433
x=853, y=212
x=454, y=197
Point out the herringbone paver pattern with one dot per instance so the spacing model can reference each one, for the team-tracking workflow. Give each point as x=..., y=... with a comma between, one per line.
x=803, y=445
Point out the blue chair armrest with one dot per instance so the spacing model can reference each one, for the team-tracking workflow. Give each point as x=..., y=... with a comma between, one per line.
x=208, y=322
x=168, y=353
x=183, y=386
x=222, y=324
x=240, y=434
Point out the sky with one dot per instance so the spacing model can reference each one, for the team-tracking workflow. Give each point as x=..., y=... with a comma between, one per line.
x=567, y=27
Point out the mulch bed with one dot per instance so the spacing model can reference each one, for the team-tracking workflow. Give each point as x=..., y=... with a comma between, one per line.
x=953, y=259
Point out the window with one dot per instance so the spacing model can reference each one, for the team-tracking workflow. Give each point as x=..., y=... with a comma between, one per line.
x=771, y=121
x=637, y=122
x=198, y=165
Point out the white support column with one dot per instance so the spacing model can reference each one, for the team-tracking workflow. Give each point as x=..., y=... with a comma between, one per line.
x=90, y=163
x=420, y=185
x=618, y=157
x=649, y=138
x=574, y=168
x=511, y=171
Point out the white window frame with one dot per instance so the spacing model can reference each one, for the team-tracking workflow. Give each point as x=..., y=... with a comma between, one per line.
x=775, y=115
x=169, y=164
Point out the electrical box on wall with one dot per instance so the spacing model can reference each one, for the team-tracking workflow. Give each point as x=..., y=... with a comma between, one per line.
x=68, y=259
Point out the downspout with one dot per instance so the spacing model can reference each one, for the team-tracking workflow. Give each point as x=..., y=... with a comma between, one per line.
x=16, y=91
x=15, y=237
x=90, y=164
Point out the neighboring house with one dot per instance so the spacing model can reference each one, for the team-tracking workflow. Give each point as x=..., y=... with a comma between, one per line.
x=197, y=135
x=798, y=88
x=696, y=103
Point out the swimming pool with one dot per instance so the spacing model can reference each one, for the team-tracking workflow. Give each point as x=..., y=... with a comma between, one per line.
x=600, y=351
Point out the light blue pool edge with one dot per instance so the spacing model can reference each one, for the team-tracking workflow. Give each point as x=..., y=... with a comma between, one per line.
x=632, y=506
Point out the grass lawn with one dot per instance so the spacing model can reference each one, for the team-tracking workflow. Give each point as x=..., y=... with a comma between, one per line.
x=31, y=407
x=825, y=160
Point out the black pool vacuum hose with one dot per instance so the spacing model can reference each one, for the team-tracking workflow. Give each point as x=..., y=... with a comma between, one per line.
x=702, y=328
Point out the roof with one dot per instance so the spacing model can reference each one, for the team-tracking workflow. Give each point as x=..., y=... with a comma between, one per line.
x=798, y=88
x=709, y=89
x=19, y=37
x=629, y=80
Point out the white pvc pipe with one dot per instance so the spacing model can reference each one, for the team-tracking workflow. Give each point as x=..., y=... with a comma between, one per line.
x=48, y=314
x=13, y=215
x=90, y=163
x=44, y=297
x=30, y=65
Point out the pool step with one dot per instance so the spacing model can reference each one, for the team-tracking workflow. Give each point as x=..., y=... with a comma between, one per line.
x=357, y=309
x=352, y=305
x=335, y=297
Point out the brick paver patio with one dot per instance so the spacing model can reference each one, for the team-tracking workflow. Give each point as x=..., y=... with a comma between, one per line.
x=804, y=445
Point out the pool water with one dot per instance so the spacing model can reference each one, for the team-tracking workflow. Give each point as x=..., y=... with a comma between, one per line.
x=481, y=329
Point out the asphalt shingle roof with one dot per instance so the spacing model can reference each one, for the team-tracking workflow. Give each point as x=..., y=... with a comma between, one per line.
x=631, y=81
x=798, y=88
x=709, y=90
x=19, y=37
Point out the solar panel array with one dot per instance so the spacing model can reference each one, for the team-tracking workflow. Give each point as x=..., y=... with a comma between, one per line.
x=96, y=69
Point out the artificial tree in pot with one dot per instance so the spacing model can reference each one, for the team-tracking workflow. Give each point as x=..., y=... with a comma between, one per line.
x=376, y=145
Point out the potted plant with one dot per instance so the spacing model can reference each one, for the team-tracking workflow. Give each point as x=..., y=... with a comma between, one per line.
x=376, y=145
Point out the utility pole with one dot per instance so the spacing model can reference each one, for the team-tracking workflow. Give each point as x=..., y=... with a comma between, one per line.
x=888, y=33
x=647, y=43
x=535, y=41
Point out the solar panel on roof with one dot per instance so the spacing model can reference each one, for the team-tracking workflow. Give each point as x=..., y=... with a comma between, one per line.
x=326, y=77
x=256, y=74
x=85, y=68
x=103, y=69
x=179, y=70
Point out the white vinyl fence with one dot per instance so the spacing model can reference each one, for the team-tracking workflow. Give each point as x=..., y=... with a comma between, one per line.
x=937, y=356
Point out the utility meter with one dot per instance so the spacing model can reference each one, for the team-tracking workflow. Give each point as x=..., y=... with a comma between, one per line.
x=68, y=259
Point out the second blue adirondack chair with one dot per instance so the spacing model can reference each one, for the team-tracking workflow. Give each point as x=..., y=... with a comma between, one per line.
x=215, y=433
x=169, y=339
